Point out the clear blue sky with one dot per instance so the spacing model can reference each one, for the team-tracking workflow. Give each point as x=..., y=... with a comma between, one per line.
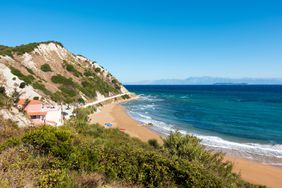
x=155, y=39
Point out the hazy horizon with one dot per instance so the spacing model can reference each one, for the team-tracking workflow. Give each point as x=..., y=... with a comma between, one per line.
x=209, y=80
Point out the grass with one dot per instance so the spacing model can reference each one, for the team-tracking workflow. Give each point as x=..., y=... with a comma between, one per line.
x=82, y=155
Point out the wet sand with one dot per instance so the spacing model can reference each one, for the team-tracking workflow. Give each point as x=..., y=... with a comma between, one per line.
x=250, y=171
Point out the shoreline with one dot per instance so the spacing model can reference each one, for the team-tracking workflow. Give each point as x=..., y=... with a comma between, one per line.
x=251, y=171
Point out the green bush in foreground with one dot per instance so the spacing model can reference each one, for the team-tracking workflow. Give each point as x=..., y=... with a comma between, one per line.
x=71, y=155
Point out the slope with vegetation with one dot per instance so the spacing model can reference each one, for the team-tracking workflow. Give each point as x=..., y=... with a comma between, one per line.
x=82, y=155
x=57, y=74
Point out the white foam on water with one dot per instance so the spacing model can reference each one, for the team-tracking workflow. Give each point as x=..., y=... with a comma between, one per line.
x=263, y=152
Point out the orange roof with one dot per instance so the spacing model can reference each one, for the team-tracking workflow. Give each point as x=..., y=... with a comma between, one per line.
x=36, y=113
x=22, y=101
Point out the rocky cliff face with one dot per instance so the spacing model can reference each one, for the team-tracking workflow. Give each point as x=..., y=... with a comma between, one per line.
x=48, y=70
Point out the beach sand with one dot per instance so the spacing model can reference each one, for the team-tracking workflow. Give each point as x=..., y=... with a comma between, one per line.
x=250, y=171
x=115, y=114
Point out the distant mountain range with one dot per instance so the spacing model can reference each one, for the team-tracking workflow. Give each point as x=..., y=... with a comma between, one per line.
x=206, y=80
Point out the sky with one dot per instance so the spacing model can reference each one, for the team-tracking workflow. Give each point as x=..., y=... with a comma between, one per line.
x=156, y=39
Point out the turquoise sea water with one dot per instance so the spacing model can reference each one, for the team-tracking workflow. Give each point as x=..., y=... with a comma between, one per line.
x=240, y=120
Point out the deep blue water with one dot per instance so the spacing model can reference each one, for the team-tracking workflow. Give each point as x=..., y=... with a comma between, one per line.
x=245, y=119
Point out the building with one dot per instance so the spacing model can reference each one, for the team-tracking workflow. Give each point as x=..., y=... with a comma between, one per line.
x=41, y=113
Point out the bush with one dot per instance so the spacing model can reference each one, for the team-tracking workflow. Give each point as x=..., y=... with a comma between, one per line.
x=81, y=101
x=35, y=98
x=26, y=48
x=154, y=143
x=47, y=139
x=55, y=178
x=26, y=78
x=29, y=70
x=2, y=90
x=59, y=79
x=41, y=87
x=97, y=70
x=68, y=90
x=124, y=97
x=82, y=149
x=71, y=68
x=22, y=85
x=46, y=68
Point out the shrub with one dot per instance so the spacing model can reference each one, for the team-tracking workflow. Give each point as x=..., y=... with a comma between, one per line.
x=124, y=97
x=68, y=90
x=2, y=90
x=59, y=79
x=55, y=178
x=81, y=101
x=46, y=68
x=41, y=87
x=27, y=78
x=48, y=139
x=22, y=85
x=29, y=70
x=60, y=156
x=154, y=143
x=97, y=69
x=71, y=68
x=26, y=48
x=35, y=98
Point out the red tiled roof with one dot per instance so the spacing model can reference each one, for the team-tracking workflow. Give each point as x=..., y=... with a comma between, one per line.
x=36, y=113
x=22, y=101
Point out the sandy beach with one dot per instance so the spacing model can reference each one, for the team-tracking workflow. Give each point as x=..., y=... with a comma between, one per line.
x=250, y=171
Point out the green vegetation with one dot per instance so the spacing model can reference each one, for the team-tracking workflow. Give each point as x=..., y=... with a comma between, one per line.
x=26, y=48
x=93, y=83
x=29, y=70
x=37, y=85
x=26, y=78
x=2, y=47
x=59, y=79
x=22, y=85
x=90, y=84
x=35, y=98
x=124, y=97
x=68, y=89
x=82, y=155
x=72, y=69
x=3, y=98
x=46, y=68
x=97, y=70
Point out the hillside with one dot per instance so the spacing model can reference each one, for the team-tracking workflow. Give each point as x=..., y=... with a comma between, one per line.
x=82, y=155
x=48, y=70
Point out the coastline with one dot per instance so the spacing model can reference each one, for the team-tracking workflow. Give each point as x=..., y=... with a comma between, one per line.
x=249, y=170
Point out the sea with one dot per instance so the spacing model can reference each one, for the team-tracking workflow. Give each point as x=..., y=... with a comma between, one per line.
x=239, y=120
